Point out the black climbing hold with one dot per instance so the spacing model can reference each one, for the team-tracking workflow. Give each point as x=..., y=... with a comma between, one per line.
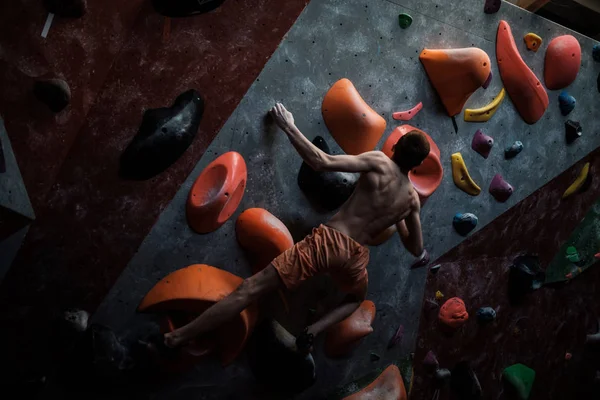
x=375, y=357
x=464, y=223
x=327, y=189
x=525, y=276
x=55, y=93
x=464, y=382
x=566, y=102
x=486, y=315
x=435, y=268
x=442, y=377
x=596, y=52
x=404, y=20
x=573, y=131
x=163, y=136
x=67, y=8
x=513, y=150
x=492, y=6
x=184, y=8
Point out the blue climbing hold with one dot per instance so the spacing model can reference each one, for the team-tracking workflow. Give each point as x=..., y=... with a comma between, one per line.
x=464, y=223
x=513, y=150
x=486, y=315
x=566, y=102
x=596, y=52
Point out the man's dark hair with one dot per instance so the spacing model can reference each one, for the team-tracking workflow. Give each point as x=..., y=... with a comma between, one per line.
x=411, y=150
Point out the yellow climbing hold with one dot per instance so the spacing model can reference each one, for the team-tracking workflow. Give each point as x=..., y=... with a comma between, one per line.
x=461, y=176
x=439, y=295
x=533, y=41
x=579, y=182
x=486, y=112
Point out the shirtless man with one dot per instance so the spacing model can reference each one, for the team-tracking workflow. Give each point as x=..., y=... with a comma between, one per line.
x=383, y=197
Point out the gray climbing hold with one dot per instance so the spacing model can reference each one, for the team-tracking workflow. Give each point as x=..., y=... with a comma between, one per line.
x=404, y=20
x=513, y=150
x=482, y=143
x=596, y=52
x=500, y=189
x=573, y=131
x=566, y=102
x=464, y=223
x=486, y=315
x=55, y=93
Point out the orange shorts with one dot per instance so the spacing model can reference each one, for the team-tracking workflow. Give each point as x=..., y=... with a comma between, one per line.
x=325, y=250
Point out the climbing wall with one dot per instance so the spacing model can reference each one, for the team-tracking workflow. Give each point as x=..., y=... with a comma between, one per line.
x=362, y=41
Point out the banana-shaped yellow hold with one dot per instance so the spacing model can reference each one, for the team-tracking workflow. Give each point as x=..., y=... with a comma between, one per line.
x=461, y=176
x=486, y=112
x=579, y=182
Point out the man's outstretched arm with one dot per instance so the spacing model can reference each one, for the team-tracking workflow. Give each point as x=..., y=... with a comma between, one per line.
x=411, y=235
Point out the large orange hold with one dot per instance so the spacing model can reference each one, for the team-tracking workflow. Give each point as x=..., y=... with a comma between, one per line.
x=387, y=386
x=453, y=313
x=563, y=58
x=426, y=178
x=345, y=335
x=263, y=235
x=524, y=88
x=354, y=125
x=216, y=193
x=188, y=292
x=456, y=74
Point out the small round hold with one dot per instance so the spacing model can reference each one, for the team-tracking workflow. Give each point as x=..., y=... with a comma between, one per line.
x=404, y=20
x=464, y=223
x=568, y=356
x=566, y=102
x=492, y=6
x=443, y=375
x=513, y=150
x=486, y=315
x=596, y=52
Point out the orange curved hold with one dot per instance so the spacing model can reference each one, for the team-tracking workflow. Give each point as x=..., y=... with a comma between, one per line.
x=389, y=386
x=263, y=235
x=354, y=125
x=561, y=65
x=426, y=178
x=456, y=74
x=345, y=335
x=524, y=88
x=188, y=292
x=216, y=193
x=408, y=114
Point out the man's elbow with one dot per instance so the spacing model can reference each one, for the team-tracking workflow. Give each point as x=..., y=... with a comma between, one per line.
x=320, y=162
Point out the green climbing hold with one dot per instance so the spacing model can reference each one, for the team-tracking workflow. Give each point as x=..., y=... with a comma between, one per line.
x=572, y=254
x=405, y=20
x=521, y=378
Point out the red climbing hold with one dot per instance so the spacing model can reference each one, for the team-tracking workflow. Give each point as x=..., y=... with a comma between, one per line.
x=407, y=115
x=563, y=58
x=453, y=313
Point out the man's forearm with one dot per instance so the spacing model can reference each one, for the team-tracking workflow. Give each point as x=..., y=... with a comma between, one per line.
x=336, y=315
x=310, y=153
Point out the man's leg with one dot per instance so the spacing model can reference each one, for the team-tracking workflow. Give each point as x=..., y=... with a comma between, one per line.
x=248, y=292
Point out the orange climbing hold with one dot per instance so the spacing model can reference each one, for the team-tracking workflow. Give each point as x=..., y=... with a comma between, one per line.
x=216, y=193
x=407, y=115
x=345, y=335
x=389, y=386
x=262, y=235
x=453, y=313
x=524, y=88
x=426, y=178
x=188, y=292
x=456, y=74
x=354, y=125
x=563, y=58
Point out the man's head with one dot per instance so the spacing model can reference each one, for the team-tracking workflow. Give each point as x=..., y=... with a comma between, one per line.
x=410, y=150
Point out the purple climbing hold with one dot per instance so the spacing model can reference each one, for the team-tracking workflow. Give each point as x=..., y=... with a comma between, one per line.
x=573, y=131
x=430, y=362
x=566, y=102
x=500, y=189
x=482, y=143
x=397, y=338
x=492, y=6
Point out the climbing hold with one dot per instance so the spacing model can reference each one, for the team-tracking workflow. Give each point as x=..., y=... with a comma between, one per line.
x=216, y=193
x=482, y=143
x=486, y=315
x=563, y=58
x=426, y=178
x=513, y=150
x=520, y=379
x=597, y=255
x=404, y=20
x=66, y=8
x=442, y=376
x=464, y=223
x=461, y=176
x=524, y=88
x=397, y=338
x=594, y=338
x=388, y=385
x=439, y=295
x=184, y=8
x=456, y=74
x=437, y=267
x=573, y=131
x=579, y=182
x=533, y=42
x=572, y=254
x=407, y=115
x=464, y=382
x=492, y=6
x=354, y=125
x=596, y=52
x=2, y=159
x=344, y=336
x=486, y=112
x=569, y=275
x=568, y=356
x=430, y=362
x=54, y=93
x=566, y=102
x=374, y=357
x=164, y=135
x=453, y=313
x=525, y=276
x=500, y=189
x=184, y=294
x=328, y=189
x=262, y=235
